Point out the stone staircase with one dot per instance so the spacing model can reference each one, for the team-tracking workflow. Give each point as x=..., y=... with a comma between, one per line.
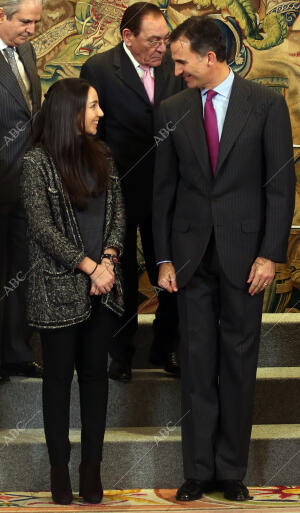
x=142, y=443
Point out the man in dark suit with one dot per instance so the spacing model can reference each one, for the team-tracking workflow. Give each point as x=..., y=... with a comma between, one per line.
x=20, y=99
x=223, y=206
x=131, y=80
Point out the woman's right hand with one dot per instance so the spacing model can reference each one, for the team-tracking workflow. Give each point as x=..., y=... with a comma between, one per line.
x=102, y=280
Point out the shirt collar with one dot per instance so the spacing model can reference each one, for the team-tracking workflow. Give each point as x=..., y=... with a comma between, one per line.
x=4, y=45
x=131, y=57
x=136, y=64
x=224, y=89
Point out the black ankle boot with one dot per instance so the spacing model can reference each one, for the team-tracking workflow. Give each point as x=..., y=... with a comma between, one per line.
x=90, y=486
x=60, y=484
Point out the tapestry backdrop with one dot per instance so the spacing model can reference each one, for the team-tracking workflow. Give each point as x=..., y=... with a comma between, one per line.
x=263, y=40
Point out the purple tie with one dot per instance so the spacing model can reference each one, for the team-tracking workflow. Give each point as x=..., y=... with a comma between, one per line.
x=211, y=128
x=148, y=82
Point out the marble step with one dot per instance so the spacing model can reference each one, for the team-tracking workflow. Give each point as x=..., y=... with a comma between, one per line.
x=279, y=342
x=144, y=457
x=152, y=398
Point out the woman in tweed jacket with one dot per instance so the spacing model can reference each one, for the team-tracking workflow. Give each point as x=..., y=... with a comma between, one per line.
x=76, y=223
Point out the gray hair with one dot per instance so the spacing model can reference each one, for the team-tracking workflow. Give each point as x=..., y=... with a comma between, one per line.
x=10, y=7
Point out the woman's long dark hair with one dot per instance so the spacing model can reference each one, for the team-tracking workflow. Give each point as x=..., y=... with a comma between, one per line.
x=56, y=128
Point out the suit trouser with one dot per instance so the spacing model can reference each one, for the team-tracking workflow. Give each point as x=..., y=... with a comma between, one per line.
x=84, y=346
x=16, y=333
x=166, y=317
x=5, y=211
x=220, y=328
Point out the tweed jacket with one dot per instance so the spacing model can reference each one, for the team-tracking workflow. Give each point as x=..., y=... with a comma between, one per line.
x=58, y=292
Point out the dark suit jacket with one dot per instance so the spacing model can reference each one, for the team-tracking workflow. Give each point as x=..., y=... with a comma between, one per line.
x=15, y=120
x=127, y=126
x=249, y=202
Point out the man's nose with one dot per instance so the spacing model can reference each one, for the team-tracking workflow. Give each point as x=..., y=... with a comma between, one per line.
x=30, y=29
x=178, y=70
x=162, y=47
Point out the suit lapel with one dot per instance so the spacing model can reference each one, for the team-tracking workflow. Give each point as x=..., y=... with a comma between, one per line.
x=193, y=124
x=9, y=81
x=161, y=78
x=237, y=114
x=126, y=72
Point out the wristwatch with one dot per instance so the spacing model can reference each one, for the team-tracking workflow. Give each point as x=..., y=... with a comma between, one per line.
x=112, y=258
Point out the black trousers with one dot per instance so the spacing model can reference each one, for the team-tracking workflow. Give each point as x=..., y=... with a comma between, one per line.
x=166, y=317
x=5, y=211
x=220, y=328
x=15, y=332
x=84, y=346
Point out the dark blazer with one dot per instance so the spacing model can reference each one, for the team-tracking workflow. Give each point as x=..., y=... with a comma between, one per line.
x=127, y=126
x=15, y=120
x=58, y=293
x=249, y=202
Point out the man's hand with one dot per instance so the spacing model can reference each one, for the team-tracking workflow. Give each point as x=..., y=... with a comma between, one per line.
x=261, y=275
x=167, y=277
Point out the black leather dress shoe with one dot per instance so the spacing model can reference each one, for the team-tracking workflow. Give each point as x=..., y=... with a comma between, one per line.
x=167, y=361
x=234, y=490
x=119, y=371
x=27, y=369
x=171, y=364
x=191, y=490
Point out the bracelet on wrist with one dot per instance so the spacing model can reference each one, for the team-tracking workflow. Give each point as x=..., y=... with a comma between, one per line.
x=112, y=258
x=90, y=274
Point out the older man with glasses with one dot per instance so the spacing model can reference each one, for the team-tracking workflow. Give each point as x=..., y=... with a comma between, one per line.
x=131, y=80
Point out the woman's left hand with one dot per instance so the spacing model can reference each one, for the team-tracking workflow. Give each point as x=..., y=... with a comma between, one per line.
x=102, y=280
x=95, y=291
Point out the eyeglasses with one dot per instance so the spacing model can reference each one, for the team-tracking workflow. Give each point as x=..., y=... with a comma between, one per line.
x=158, y=41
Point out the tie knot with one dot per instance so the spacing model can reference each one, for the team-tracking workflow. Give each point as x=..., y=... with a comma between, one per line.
x=146, y=69
x=9, y=50
x=210, y=94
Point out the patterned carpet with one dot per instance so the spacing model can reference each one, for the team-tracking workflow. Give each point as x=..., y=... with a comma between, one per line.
x=282, y=499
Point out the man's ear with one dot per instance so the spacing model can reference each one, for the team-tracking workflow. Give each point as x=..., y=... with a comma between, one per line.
x=127, y=36
x=211, y=58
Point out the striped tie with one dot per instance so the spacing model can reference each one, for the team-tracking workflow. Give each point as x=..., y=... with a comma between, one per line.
x=10, y=54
